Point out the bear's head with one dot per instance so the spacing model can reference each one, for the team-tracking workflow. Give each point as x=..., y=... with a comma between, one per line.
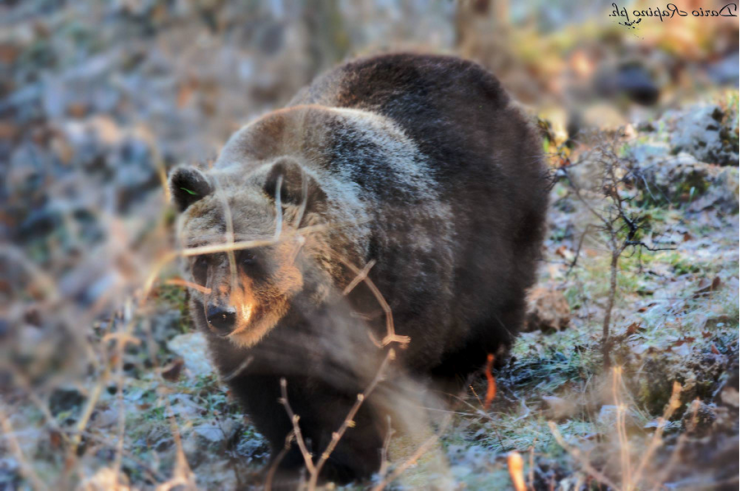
x=244, y=291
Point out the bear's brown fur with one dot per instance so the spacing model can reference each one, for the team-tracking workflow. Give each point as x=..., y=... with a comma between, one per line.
x=421, y=164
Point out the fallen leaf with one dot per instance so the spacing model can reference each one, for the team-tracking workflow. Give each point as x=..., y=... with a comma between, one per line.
x=705, y=286
x=564, y=252
x=686, y=339
x=55, y=439
x=730, y=397
x=633, y=328
x=682, y=350
x=77, y=109
x=172, y=371
x=646, y=307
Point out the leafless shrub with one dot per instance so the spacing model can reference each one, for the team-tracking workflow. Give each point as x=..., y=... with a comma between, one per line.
x=602, y=180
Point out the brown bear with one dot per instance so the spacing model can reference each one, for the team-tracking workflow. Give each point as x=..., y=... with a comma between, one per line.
x=420, y=166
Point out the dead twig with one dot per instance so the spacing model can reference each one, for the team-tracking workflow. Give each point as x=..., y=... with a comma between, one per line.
x=314, y=470
x=278, y=458
x=359, y=278
x=294, y=419
x=576, y=454
x=391, y=336
x=349, y=420
x=188, y=284
x=26, y=469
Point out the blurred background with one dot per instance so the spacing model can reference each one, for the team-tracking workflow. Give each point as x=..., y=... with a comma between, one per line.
x=99, y=99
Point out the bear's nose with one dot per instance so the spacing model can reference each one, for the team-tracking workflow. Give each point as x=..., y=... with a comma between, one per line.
x=222, y=319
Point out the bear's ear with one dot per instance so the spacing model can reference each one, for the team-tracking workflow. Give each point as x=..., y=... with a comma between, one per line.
x=295, y=184
x=188, y=185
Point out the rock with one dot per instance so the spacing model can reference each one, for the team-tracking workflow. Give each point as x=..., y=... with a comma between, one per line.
x=211, y=433
x=253, y=446
x=548, y=311
x=698, y=418
x=704, y=132
x=192, y=348
x=682, y=178
x=65, y=399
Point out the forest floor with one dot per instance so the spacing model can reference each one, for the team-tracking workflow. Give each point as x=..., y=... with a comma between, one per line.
x=575, y=424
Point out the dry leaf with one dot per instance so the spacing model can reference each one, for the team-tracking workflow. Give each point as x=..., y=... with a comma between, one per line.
x=172, y=371
x=633, y=328
x=705, y=286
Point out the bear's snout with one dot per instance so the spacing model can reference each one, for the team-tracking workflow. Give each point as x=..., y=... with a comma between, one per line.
x=221, y=319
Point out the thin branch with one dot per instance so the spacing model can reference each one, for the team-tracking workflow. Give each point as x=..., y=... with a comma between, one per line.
x=359, y=278
x=384, y=451
x=578, y=249
x=391, y=336
x=657, y=440
x=294, y=418
x=278, y=458
x=188, y=284
x=643, y=245
x=349, y=420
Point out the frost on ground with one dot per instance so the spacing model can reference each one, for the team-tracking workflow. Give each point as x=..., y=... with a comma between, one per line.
x=675, y=322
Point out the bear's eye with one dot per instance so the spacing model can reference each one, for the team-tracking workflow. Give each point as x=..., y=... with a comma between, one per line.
x=248, y=258
x=200, y=269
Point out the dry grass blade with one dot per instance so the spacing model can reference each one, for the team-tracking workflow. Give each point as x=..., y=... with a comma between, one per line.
x=516, y=471
x=657, y=440
x=576, y=454
x=188, y=284
x=624, y=444
x=424, y=448
x=278, y=210
x=26, y=469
